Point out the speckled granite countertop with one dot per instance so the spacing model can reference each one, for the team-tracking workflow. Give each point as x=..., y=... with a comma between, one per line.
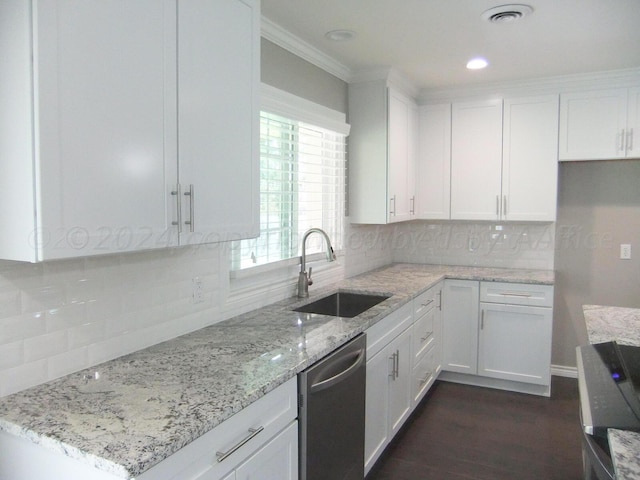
x=128, y=414
x=622, y=325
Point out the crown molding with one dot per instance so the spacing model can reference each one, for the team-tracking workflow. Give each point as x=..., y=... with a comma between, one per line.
x=556, y=84
x=281, y=37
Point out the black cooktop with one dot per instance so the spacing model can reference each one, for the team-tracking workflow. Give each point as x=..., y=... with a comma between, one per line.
x=609, y=382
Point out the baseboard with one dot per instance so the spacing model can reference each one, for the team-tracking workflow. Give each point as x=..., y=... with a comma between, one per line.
x=564, y=371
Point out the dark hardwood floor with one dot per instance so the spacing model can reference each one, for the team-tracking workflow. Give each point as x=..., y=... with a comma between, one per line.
x=461, y=432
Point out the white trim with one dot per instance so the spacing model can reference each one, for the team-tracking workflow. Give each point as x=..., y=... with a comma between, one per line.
x=392, y=76
x=535, y=86
x=274, y=100
x=281, y=37
x=564, y=371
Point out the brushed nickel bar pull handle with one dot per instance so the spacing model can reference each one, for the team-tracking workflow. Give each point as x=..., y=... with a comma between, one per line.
x=630, y=140
x=220, y=456
x=413, y=205
x=178, y=223
x=397, y=372
x=392, y=374
x=504, y=206
x=622, y=140
x=393, y=210
x=424, y=339
x=516, y=294
x=482, y=320
x=498, y=206
x=190, y=222
x=440, y=300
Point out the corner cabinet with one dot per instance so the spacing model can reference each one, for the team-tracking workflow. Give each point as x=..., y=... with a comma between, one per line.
x=504, y=159
x=433, y=163
x=382, y=149
x=121, y=135
x=600, y=124
x=498, y=335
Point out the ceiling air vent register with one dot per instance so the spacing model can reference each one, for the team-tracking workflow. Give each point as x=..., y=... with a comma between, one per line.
x=507, y=13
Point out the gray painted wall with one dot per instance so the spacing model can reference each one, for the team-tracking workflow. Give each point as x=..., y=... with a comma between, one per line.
x=598, y=209
x=288, y=72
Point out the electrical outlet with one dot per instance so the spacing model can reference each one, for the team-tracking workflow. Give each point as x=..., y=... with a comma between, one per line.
x=625, y=251
x=197, y=292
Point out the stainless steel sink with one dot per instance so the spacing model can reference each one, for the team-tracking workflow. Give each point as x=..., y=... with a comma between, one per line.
x=342, y=304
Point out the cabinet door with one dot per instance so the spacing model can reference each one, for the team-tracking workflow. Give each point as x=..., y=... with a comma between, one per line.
x=515, y=343
x=376, y=434
x=460, y=326
x=433, y=163
x=218, y=122
x=592, y=125
x=529, y=159
x=400, y=111
x=476, y=160
x=105, y=106
x=400, y=382
x=277, y=460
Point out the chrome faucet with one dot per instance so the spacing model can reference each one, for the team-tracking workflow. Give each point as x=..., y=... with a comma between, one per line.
x=304, y=279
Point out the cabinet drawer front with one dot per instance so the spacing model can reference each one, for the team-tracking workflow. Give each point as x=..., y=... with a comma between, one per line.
x=424, y=302
x=383, y=332
x=424, y=374
x=423, y=335
x=261, y=421
x=517, y=294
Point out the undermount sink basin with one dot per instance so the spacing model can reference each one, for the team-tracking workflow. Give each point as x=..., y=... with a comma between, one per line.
x=342, y=304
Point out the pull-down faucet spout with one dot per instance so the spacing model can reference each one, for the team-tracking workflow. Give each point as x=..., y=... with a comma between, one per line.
x=304, y=279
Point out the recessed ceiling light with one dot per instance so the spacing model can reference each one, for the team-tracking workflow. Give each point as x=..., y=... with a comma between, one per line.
x=477, y=63
x=340, y=35
x=506, y=13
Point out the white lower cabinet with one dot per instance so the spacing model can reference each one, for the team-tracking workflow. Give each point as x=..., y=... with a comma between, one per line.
x=403, y=352
x=460, y=326
x=277, y=460
x=498, y=335
x=388, y=394
x=260, y=441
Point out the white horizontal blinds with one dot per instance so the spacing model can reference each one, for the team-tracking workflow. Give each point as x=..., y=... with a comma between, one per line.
x=302, y=184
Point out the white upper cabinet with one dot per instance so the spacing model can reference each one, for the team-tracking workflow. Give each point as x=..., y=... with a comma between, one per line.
x=218, y=121
x=433, y=163
x=599, y=125
x=504, y=159
x=381, y=153
x=530, y=158
x=90, y=157
x=476, y=160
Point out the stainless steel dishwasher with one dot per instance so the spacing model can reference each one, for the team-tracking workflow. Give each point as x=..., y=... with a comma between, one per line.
x=331, y=415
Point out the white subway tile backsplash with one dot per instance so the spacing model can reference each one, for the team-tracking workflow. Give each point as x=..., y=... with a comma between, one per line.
x=10, y=302
x=11, y=355
x=22, y=326
x=67, y=362
x=23, y=376
x=89, y=332
x=45, y=346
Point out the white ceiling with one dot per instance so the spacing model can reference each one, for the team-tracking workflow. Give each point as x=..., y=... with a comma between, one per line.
x=430, y=41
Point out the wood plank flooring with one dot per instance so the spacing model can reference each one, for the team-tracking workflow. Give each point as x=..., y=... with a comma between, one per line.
x=461, y=432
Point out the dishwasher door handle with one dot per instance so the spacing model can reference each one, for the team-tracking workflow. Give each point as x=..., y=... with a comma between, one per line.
x=330, y=382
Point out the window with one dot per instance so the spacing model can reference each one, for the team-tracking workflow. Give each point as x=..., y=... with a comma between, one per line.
x=302, y=185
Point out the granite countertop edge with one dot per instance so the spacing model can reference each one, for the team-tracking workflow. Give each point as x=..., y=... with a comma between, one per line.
x=402, y=282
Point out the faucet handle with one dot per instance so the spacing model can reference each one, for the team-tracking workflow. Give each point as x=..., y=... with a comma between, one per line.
x=309, y=281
